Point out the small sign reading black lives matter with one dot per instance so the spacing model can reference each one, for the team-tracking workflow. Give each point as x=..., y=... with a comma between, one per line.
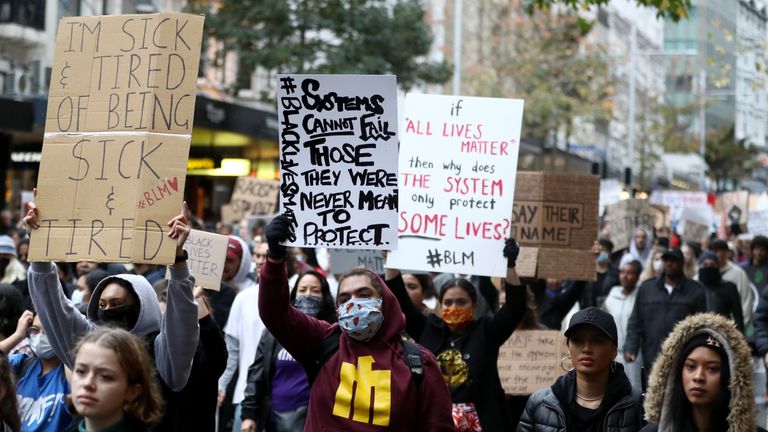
x=338, y=159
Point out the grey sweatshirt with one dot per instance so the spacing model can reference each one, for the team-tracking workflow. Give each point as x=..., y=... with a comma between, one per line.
x=175, y=344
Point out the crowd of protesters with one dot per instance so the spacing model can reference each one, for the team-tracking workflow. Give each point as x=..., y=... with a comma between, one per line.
x=668, y=336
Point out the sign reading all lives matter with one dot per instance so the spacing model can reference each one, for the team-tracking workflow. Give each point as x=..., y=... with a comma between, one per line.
x=117, y=137
x=458, y=159
x=531, y=360
x=555, y=220
x=254, y=196
x=338, y=159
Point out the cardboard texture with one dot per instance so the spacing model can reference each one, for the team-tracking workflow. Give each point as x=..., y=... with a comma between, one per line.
x=758, y=222
x=458, y=159
x=695, y=232
x=556, y=215
x=254, y=196
x=228, y=215
x=118, y=130
x=207, y=253
x=625, y=216
x=530, y=360
x=338, y=159
x=344, y=260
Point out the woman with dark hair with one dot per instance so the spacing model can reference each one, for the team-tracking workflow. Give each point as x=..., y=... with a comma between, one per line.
x=9, y=409
x=595, y=394
x=467, y=349
x=420, y=289
x=277, y=388
x=11, y=308
x=702, y=379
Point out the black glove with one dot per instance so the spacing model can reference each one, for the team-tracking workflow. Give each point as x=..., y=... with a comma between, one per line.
x=278, y=230
x=511, y=251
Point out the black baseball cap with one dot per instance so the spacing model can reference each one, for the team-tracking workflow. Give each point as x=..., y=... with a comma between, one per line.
x=673, y=254
x=594, y=317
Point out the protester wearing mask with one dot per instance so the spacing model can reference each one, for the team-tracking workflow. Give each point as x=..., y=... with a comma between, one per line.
x=86, y=283
x=467, y=349
x=369, y=348
x=702, y=379
x=42, y=380
x=661, y=303
x=129, y=302
x=653, y=267
x=620, y=303
x=607, y=276
x=722, y=296
x=277, y=390
x=595, y=394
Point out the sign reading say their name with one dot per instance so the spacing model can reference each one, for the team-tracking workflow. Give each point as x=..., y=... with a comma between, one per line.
x=458, y=159
x=117, y=137
x=254, y=196
x=338, y=159
x=207, y=253
x=531, y=360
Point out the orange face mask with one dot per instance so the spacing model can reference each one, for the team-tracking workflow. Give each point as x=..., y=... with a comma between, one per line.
x=457, y=317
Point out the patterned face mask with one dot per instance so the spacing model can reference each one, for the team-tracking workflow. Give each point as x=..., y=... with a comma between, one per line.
x=360, y=318
x=309, y=305
x=457, y=317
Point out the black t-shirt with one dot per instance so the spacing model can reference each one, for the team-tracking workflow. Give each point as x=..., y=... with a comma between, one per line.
x=584, y=419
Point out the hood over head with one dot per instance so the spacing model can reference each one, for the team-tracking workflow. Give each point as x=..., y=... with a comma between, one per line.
x=641, y=254
x=662, y=382
x=394, y=320
x=150, y=314
x=241, y=278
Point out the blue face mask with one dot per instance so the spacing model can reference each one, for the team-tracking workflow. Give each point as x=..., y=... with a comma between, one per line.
x=603, y=258
x=360, y=318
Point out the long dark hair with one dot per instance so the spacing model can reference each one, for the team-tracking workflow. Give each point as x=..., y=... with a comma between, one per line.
x=11, y=308
x=427, y=286
x=9, y=410
x=459, y=283
x=328, y=311
x=679, y=404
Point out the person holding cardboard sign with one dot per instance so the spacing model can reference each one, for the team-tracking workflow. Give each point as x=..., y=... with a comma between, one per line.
x=127, y=301
x=467, y=349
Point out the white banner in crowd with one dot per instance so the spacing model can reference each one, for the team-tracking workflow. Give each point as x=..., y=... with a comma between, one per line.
x=458, y=162
x=758, y=222
x=338, y=159
x=679, y=200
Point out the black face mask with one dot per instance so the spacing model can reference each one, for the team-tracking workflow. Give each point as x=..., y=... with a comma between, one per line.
x=309, y=305
x=709, y=275
x=124, y=317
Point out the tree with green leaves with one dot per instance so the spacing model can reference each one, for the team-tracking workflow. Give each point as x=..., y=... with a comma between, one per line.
x=325, y=36
x=729, y=160
x=672, y=9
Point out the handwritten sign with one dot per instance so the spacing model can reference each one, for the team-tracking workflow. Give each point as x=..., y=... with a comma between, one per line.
x=344, y=260
x=458, y=160
x=207, y=253
x=678, y=200
x=530, y=360
x=117, y=137
x=338, y=159
x=695, y=232
x=625, y=216
x=758, y=222
x=557, y=215
x=254, y=196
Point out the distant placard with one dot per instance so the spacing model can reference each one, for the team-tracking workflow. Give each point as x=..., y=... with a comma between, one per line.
x=530, y=360
x=207, y=252
x=735, y=206
x=117, y=136
x=695, y=232
x=254, y=196
x=557, y=216
x=458, y=158
x=344, y=260
x=625, y=216
x=676, y=201
x=338, y=159
x=758, y=222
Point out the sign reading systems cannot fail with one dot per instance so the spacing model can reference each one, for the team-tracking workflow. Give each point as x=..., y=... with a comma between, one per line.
x=117, y=137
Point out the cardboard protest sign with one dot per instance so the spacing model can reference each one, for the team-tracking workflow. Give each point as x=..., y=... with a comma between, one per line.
x=228, y=215
x=758, y=222
x=207, y=252
x=531, y=360
x=254, y=196
x=625, y=216
x=558, y=216
x=117, y=136
x=338, y=159
x=458, y=159
x=344, y=260
x=735, y=206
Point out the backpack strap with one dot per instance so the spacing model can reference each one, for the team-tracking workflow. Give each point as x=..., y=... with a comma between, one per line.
x=415, y=361
x=328, y=348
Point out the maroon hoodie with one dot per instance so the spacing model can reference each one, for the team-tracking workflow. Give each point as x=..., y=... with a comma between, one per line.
x=365, y=386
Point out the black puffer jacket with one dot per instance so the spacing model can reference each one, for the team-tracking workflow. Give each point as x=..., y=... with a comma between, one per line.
x=546, y=409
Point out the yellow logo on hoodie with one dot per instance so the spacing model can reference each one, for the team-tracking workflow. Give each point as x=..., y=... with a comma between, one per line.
x=366, y=379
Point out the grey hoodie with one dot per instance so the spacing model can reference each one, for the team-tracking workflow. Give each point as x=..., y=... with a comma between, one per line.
x=175, y=344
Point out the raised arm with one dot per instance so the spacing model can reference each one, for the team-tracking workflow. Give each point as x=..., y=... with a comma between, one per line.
x=24, y=323
x=414, y=319
x=505, y=320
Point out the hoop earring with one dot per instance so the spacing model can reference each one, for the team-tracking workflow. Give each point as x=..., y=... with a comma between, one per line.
x=613, y=367
x=567, y=357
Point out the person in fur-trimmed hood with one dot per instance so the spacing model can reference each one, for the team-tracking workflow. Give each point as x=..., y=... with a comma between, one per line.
x=702, y=379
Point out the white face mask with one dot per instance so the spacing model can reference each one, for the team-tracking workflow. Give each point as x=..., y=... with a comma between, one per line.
x=658, y=265
x=41, y=347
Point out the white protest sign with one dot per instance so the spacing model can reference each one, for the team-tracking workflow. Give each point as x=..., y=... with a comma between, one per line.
x=696, y=223
x=344, y=260
x=338, y=159
x=678, y=200
x=207, y=252
x=758, y=222
x=458, y=161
